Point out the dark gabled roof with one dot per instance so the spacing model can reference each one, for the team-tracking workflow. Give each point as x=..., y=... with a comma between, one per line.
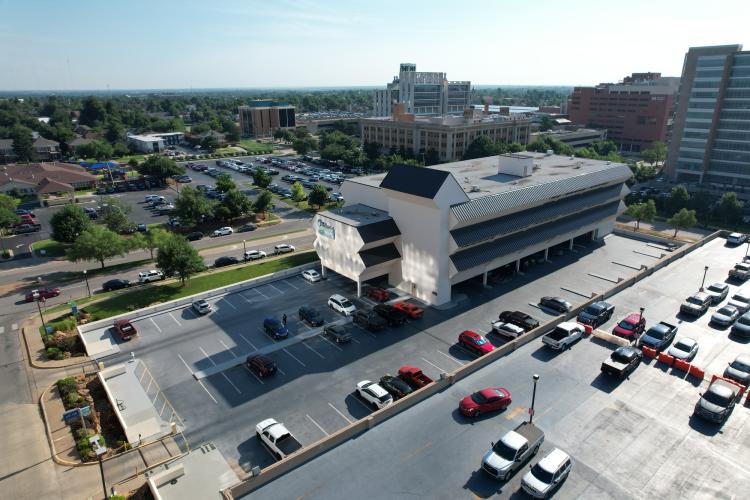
x=424, y=182
x=378, y=230
x=378, y=255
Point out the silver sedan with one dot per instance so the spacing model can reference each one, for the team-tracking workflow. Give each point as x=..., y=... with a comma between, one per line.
x=725, y=316
x=684, y=349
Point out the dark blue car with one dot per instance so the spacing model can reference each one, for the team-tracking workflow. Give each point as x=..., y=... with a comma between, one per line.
x=275, y=328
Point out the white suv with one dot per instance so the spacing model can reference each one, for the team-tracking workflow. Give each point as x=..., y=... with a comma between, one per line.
x=341, y=304
x=150, y=275
x=254, y=254
x=374, y=394
x=547, y=474
x=283, y=248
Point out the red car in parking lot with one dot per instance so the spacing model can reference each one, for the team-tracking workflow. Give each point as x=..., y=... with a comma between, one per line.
x=414, y=312
x=125, y=329
x=44, y=293
x=379, y=294
x=489, y=399
x=631, y=327
x=475, y=342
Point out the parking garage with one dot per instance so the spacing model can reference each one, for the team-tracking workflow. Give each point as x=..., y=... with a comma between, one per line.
x=428, y=229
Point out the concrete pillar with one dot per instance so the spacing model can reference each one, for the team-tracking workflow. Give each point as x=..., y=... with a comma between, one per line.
x=593, y=234
x=546, y=254
x=484, y=279
x=518, y=266
x=323, y=271
x=570, y=247
x=359, y=287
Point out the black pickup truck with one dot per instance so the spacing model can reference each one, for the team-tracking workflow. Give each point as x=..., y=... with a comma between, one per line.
x=622, y=361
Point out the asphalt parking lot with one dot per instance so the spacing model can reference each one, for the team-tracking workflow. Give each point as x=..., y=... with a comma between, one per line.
x=313, y=392
x=628, y=439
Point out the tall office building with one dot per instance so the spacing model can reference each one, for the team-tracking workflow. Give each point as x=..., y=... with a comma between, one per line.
x=261, y=118
x=422, y=93
x=711, y=135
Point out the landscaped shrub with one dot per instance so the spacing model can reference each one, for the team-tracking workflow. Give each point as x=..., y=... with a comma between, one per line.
x=55, y=353
x=66, y=385
x=73, y=399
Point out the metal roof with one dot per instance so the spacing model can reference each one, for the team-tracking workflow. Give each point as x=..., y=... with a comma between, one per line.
x=378, y=255
x=536, y=193
x=417, y=181
x=378, y=230
x=486, y=252
x=483, y=231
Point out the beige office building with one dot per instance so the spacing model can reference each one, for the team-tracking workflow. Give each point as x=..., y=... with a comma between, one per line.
x=261, y=118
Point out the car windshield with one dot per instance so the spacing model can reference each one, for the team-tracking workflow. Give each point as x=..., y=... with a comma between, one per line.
x=681, y=346
x=714, y=398
x=715, y=288
x=541, y=474
x=625, y=325
x=384, y=398
x=346, y=303
x=726, y=311
x=741, y=298
x=620, y=357
x=480, y=341
x=593, y=310
x=695, y=300
x=739, y=365
x=478, y=398
x=654, y=333
x=504, y=451
x=744, y=320
x=126, y=327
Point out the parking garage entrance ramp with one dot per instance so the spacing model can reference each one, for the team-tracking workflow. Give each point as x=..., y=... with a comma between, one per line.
x=100, y=343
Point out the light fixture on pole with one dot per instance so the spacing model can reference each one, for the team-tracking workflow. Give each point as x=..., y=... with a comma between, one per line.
x=85, y=276
x=640, y=318
x=705, y=271
x=533, y=399
x=37, y=299
x=244, y=247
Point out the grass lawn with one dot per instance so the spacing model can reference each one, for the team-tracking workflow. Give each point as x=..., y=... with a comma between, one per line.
x=254, y=146
x=51, y=248
x=131, y=301
x=95, y=271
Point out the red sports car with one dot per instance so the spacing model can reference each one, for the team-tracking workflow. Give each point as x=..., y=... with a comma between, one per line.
x=489, y=399
x=413, y=311
x=44, y=293
x=475, y=342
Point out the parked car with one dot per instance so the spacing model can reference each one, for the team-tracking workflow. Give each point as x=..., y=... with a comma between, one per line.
x=393, y=316
x=338, y=333
x=596, y=314
x=184, y=179
x=261, y=365
x=631, y=326
x=374, y=394
x=311, y=275
x=254, y=254
x=247, y=227
x=557, y=304
x=277, y=438
x=275, y=328
x=563, y=336
x=513, y=449
x=696, y=305
x=225, y=261
x=201, y=306
x=141, y=228
x=739, y=369
x=26, y=228
x=519, y=318
x=622, y=361
x=717, y=403
x=310, y=315
x=124, y=329
x=740, y=271
x=736, y=239
x=486, y=400
x=411, y=310
x=684, y=349
x=658, y=336
x=475, y=342
x=395, y=386
x=548, y=474
x=413, y=376
x=741, y=327
x=718, y=292
x=194, y=236
x=378, y=294
x=150, y=275
x=223, y=231
x=741, y=301
x=507, y=330
x=341, y=304
x=283, y=248
x=115, y=284
x=369, y=320
x=725, y=316
x=42, y=293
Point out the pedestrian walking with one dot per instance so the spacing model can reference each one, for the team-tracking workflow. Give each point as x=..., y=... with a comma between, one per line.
x=283, y=319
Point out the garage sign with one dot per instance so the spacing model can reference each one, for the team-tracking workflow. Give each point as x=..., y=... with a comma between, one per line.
x=326, y=229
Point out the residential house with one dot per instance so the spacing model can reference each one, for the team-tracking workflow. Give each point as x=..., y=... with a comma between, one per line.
x=44, y=178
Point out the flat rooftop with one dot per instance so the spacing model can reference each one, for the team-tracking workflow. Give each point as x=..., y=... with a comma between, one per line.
x=480, y=178
x=358, y=214
x=448, y=120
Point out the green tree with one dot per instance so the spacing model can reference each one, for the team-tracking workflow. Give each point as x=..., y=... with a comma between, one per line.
x=261, y=178
x=304, y=145
x=69, y=223
x=160, y=168
x=177, y=257
x=231, y=131
x=8, y=215
x=679, y=198
x=683, y=219
x=98, y=150
x=729, y=209
x=298, y=192
x=151, y=240
x=23, y=143
x=114, y=215
x=318, y=196
x=262, y=202
x=236, y=204
x=701, y=203
x=371, y=149
x=658, y=152
x=115, y=131
x=224, y=183
x=642, y=212
x=481, y=147
x=649, y=156
x=191, y=207
x=97, y=243
x=209, y=143
x=546, y=124
x=92, y=112
x=431, y=157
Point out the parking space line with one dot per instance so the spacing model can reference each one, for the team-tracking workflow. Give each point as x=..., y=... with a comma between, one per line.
x=356, y=398
x=154, y=322
x=175, y=319
x=280, y=370
x=332, y=344
x=248, y=342
x=304, y=281
x=341, y=414
x=184, y=363
x=294, y=357
x=316, y=424
x=246, y=299
x=441, y=370
x=271, y=285
x=209, y=394
x=463, y=349
x=207, y=356
x=450, y=357
x=313, y=350
x=254, y=375
x=290, y=284
x=263, y=294
x=364, y=330
x=227, y=348
x=356, y=341
x=227, y=302
x=231, y=383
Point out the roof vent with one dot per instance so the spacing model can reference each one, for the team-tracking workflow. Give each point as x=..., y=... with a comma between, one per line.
x=550, y=152
x=474, y=189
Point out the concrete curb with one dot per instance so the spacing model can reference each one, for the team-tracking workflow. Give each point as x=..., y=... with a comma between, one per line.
x=48, y=432
x=49, y=364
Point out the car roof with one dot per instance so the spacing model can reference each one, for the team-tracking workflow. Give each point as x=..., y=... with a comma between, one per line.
x=722, y=388
x=632, y=317
x=626, y=350
x=337, y=296
x=489, y=392
x=719, y=285
x=469, y=333
x=687, y=341
x=553, y=460
x=743, y=358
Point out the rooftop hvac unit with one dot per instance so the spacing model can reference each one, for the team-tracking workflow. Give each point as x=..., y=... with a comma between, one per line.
x=519, y=165
x=474, y=189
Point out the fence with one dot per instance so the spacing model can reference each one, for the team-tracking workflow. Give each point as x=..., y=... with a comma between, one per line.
x=155, y=394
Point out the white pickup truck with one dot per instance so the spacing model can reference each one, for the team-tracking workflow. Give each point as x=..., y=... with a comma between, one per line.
x=507, y=455
x=563, y=335
x=277, y=438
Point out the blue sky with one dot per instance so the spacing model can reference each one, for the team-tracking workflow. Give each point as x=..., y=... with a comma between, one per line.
x=82, y=44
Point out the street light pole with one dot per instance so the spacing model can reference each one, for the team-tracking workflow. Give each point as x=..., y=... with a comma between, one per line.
x=533, y=399
x=37, y=299
x=748, y=247
x=244, y=247
x=85, y=276
x=705, y=271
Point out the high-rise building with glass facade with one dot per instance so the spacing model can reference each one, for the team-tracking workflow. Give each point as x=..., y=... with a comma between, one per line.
x=711, y=134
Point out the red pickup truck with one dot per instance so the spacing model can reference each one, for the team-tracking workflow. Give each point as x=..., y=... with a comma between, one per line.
x=413, y=376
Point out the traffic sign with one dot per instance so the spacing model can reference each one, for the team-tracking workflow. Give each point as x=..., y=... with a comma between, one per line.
x=71, y=415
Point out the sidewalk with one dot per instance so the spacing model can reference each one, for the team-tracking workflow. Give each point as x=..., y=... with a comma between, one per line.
x=63, y=443
x=664, y=230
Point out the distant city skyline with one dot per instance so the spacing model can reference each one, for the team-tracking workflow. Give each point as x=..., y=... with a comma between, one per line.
x=87, y=45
